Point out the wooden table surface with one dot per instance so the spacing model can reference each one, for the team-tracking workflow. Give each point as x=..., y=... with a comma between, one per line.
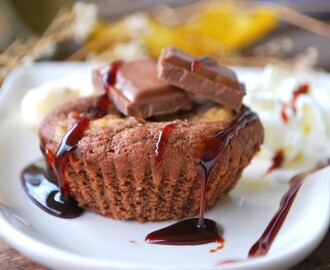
x=11, y=259
x=318, y=260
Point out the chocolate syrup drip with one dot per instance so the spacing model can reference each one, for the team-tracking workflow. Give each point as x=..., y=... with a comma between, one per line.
x=201, y=61
x=284, y=114
x=49, y=157
x=302, y=89
x=262, y=246
x=162, y=143
x=68, y=144
x=277, y=161
x=187, y=232
x=201, y=231
x=109, y=77
x=99, y=107
x=38, y=182
x=264, y=243
x=212, y=148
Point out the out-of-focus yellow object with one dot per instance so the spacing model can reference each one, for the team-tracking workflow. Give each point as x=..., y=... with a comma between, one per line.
x=214, y=29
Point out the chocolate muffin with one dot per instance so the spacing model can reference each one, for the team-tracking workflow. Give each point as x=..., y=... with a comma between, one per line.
x=112, y=172
x=150, y=168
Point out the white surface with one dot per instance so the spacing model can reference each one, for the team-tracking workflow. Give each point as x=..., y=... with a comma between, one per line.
x=306, y=134
x=94, y=242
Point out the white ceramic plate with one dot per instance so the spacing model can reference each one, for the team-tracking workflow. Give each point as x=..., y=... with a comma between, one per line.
x=94, y=242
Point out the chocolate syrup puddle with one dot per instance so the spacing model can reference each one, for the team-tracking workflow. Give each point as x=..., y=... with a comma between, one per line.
x=187, y=232
x=46, y=194
x=46, y=185
x=201, y=231
x=162, y=143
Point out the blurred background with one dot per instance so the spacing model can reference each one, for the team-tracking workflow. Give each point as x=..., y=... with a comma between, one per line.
x=250, y=33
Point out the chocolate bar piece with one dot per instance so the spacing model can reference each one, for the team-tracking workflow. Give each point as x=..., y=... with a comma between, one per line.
x=202, y=76
x=138, y=92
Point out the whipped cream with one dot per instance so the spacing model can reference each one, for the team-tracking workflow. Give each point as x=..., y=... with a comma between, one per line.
x=296, y=123
x=42, y=99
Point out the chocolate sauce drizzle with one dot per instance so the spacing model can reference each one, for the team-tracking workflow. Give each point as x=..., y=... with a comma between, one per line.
x=302, y=89
x=213, y=147
x=45, y=184
x=109, y=77
x=262, y=246
x=195, y=64
x=264, y=243
x=201, y=231
x=162, y=143
x=284, y=114
x=277, y=161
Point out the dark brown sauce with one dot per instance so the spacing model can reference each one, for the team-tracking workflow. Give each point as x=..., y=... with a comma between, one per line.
x=201, y=231
x=277, y=161
x=68, y=144
x=221, y=244
x=109, y=77
x=42, y=190
x=213, y=147
x=162, y=143
x=302, y=89
x=284, y=114
x=262, y=246
x=46, y=185
x=187, y=232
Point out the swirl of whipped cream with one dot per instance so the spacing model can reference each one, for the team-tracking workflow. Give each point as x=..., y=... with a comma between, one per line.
x=293, y=106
